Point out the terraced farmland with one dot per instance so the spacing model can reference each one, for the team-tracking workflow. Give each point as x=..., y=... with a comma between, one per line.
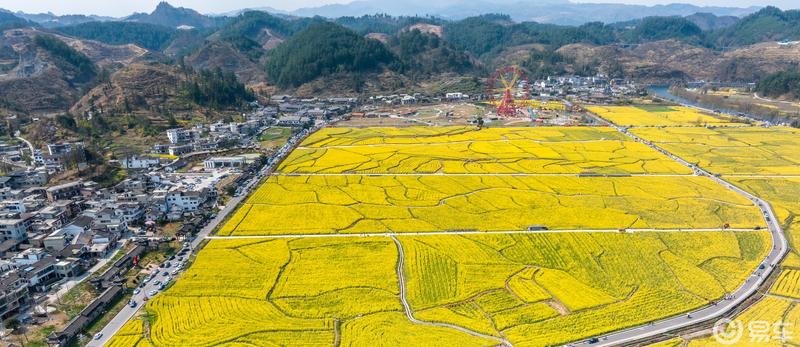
x=307, y=259
x=732, y=151
x=649, y=116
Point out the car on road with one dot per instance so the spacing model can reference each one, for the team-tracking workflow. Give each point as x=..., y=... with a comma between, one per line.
x=152, y=292
x=98, y=336
x=593, y=340
x=137, y=291
x=132, y=304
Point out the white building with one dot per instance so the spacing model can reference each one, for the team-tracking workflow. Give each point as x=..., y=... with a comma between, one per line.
x=179, y=136
x=224, y=162
x=14, y=229
x=137, y=162
x=456, y=96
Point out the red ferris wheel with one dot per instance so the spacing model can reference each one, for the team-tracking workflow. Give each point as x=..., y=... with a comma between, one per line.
x=507, y=85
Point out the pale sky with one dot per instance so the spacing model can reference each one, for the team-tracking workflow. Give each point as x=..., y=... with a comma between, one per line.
x=118, y=8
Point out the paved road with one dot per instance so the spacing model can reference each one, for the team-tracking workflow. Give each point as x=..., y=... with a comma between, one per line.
x=779, y=249
x=587, y=175
x=128, y=312
x=468, y=232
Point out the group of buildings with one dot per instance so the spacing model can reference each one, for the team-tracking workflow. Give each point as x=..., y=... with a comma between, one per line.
x=585, y=89
x=51, y=233
x=299, y=112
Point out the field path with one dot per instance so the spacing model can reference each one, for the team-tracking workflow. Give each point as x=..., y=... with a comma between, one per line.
x=469, y=232
x=407, y=308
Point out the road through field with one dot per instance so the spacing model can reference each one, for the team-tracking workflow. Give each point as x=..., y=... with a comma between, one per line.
x=587, y=175
x=468, y=232
x=719, y=309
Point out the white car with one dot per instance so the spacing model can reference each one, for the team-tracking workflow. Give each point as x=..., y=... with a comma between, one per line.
x=137, y=291
x=152, y=292
x=98, y=336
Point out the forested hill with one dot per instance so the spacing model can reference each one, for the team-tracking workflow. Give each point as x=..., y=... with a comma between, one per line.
x=780, y=84
x=323, y=49
x=150, y=36
x=768, y=24
x=268, y=51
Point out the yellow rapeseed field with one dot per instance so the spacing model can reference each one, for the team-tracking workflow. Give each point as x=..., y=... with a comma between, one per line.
x=329, y=137
x=788, y=284
x=313, y=291
x=368, y=204
x=573, y=283
x=779, y=307
x=765, y=323
x=532, y=288
x=660, y=116
x=728, y=151
x=491, y=156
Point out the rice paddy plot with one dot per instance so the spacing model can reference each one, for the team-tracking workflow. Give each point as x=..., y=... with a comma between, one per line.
x=649, y=115
x=374, y=204
x=732, y=151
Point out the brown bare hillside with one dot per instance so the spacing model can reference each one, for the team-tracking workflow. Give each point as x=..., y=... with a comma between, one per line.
x=142, y=88
x=221, y=55
x=33, y=82
x=670, y=60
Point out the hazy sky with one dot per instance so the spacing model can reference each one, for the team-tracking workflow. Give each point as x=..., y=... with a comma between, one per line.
x=125, y=7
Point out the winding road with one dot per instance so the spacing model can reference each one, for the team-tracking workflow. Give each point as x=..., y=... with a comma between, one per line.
x=714, y=311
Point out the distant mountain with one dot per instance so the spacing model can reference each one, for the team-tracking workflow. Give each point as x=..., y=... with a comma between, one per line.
x=10, y=21
x=169, y=16
x=50, y=20
x=768, y=24
x=552, y=11
x=709, y=21
x=663, y=28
